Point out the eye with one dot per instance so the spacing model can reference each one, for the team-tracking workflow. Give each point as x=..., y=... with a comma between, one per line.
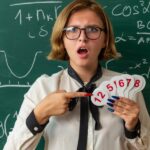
x=71, y=29
x=92, y=29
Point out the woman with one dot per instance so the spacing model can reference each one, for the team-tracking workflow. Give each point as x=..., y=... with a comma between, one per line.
x=59, y=107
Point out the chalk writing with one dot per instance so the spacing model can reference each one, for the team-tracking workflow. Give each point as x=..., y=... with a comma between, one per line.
x=142, y=26
x=11, y=71
x=108, y=62
x=137, y=67
x=4, y=129
x=147, y=74
x=23, y=17
x=142, y=39
x=9, y=85
x=35, y=3
x=140, y=64
x=40, y=15
x=127, y=10
x=42, y=33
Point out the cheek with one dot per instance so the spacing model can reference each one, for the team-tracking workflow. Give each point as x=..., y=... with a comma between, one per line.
x=68, y=47
x=101, y=43
x=98, y=45
x=67, y=44
x=104, y=39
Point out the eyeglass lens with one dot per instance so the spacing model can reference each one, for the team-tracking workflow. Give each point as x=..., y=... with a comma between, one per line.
x=91, y=32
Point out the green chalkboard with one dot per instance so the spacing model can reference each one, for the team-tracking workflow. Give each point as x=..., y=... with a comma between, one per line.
x=25, y=27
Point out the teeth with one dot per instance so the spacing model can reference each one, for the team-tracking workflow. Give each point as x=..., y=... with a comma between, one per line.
x=82, y=48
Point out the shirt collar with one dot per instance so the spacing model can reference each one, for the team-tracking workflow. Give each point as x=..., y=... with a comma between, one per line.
x=75, y=76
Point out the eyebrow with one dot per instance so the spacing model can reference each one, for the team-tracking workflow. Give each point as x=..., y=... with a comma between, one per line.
x=90, y=25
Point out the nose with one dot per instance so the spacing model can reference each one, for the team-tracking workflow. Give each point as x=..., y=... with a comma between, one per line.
x=82, y=36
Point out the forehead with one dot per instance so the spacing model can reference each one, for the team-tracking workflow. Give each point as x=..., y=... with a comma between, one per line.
x=85, y=16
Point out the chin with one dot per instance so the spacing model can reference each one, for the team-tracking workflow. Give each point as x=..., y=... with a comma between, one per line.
x=85, y=65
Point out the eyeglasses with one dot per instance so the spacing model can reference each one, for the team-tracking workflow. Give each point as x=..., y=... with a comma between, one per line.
x=91, y=32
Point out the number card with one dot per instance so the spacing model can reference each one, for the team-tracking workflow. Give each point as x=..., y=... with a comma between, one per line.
x=99, y=97
x=120, y=83
x=130, y=84
x=109, y=87
x=124, y=85
x=139, y=84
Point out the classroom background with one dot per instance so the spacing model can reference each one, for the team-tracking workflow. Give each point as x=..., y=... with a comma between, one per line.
x=25, y=28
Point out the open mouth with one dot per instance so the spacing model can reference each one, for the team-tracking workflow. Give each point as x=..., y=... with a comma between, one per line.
x=82, y=51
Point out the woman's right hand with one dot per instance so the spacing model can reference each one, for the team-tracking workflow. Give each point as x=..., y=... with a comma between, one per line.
x=54, y=104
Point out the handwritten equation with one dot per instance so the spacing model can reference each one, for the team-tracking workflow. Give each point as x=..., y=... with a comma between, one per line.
x=141, y=25
x=145, y=39
x=136, y=67
x=142, y=7
x=5, y=125
x=24, y=17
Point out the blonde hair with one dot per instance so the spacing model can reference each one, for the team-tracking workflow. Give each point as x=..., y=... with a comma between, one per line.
x=58, y=51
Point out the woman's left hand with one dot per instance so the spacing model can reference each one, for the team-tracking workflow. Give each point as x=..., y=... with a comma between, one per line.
x=128, y=110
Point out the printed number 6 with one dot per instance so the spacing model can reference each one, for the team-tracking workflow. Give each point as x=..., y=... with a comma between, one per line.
x=121, y=83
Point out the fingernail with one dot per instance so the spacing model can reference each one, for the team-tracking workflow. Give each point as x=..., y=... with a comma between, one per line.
x=111, y=100
x=110, y=104
x=110, y=109
x=88, y=94
x=115, y=97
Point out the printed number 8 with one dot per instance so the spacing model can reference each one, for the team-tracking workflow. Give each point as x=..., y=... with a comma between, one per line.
x=137, y=83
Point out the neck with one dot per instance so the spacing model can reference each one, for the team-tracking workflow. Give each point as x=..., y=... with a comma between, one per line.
x=85, y=73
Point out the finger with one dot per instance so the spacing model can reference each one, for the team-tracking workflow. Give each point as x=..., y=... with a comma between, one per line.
x=122, y=115
x=127, y=104
x=60, y=91
x=70, y=95
x=121, y=109
x=67, y=101
x=126, y=101
x=126, y=111
x=123, y=104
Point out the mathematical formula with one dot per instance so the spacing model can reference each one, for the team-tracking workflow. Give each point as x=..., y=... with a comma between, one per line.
x=127, y=10
x=137, y=66
x=24, y=17
x=141, y=26
x=123, y=37
x=4, y=130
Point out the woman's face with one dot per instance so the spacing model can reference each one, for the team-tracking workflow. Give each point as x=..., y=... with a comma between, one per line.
x=84, y=52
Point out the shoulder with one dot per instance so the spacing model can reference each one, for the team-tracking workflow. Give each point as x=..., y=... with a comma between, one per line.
x=45, y=84
x=109, y=73
x=53, y=79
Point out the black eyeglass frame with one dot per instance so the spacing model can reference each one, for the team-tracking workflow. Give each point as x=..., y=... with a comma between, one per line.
x=80, y=29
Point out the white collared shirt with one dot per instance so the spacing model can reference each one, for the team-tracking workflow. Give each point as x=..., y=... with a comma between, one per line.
x=62, y=132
